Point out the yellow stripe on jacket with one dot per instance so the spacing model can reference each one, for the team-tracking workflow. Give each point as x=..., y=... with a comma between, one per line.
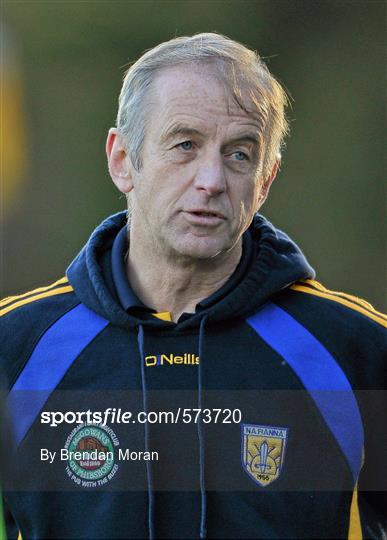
x=24, y=301
x=352, y=302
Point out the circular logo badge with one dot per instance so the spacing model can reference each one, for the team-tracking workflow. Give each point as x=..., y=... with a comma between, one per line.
x=91, y=455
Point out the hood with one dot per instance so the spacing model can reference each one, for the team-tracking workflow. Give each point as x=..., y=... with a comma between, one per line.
x=277, y=263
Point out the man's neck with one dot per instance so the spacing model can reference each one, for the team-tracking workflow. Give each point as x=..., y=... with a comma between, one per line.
x=167, y=284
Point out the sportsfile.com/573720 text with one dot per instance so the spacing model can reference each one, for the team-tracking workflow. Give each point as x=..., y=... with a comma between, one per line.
x=118, y=416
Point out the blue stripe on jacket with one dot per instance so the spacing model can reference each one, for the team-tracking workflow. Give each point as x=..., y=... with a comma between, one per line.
x=53, y=355
x=320, y=374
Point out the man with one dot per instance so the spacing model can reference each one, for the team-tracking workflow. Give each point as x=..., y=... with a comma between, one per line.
x=199, y=309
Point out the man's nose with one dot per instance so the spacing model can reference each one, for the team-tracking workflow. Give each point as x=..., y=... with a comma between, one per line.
x=210, y=176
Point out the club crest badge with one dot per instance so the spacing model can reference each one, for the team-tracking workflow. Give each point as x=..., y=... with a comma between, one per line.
x=90, y=454
x=263, y=452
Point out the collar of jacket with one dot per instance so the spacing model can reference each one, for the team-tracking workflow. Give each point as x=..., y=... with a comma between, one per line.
x=278, y=262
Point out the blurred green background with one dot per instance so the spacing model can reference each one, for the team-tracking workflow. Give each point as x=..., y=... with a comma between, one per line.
x=62, y=65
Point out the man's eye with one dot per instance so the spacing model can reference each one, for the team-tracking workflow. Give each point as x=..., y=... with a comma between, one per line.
x=241, y=156
x=186, y=145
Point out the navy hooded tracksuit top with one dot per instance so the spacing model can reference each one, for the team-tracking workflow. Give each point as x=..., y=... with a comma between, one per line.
x=296, y=372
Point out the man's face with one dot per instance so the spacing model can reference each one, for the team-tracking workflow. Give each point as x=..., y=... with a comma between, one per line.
x=199, y=185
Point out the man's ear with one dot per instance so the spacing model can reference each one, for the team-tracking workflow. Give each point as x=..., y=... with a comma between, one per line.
x=119, y=162
x=266, y=184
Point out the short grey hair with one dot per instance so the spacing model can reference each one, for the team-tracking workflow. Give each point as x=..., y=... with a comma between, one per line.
x=241, y=68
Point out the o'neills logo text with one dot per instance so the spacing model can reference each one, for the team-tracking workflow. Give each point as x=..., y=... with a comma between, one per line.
x=171, y=359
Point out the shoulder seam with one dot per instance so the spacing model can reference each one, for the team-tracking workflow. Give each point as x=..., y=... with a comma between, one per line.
x=10, y=299
x=319, y=286
x=13, y=302
x=354, y=303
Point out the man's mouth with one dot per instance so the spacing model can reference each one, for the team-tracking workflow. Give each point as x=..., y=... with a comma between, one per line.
x=206, y=213
x=204, y=217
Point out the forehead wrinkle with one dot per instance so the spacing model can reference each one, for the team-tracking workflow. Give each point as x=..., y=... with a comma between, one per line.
x=182, y=98
x=245, y=102
x=234, y=100
x=178, y=102
x=183, y=119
